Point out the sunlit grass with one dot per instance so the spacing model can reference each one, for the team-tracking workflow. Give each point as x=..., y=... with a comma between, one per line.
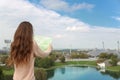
x=90, y=63
x=6, y=70
x=114, y=68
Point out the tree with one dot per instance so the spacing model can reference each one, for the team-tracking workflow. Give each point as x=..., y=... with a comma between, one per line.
x=44, y=62
x=62, y=59
x=103, y=55
x=74, y=55
x=112, y=57
x=83, y=55
x=1, y=74
x=41, y=74
x=4, y=59
x=114, y=60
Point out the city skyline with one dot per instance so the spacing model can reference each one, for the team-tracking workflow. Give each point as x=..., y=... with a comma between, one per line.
x=70, y=23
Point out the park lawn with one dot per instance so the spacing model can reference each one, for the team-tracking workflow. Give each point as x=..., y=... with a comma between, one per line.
x=6, y=70
x=73, y=63
x=114, y=68
x=83, y=63
x=9, y=71
x=91, y=63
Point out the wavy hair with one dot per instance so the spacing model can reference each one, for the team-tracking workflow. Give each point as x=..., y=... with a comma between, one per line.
x=22, y=45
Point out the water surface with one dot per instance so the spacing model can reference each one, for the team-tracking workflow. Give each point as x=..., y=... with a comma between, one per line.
x=81, y=73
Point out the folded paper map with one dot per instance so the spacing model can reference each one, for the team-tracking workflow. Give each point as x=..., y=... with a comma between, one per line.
x=43, y=42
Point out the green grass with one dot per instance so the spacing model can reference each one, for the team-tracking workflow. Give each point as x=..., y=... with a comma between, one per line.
x=84, y=63
x=89, y=63
x=74, y=63
x=6, y=70
x=9, y=71
x=114, y=68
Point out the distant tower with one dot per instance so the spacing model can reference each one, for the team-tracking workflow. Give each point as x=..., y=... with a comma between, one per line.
x=63, y=53
x=70, y=48
x=103, y=45
x=118, y=45
x=70, y=51
x=7, y=42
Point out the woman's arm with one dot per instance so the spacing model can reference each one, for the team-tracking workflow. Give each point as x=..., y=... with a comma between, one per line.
x=39, y=53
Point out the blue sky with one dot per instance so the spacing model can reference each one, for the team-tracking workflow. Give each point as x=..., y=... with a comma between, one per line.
x=70, y=23
x=103, y=12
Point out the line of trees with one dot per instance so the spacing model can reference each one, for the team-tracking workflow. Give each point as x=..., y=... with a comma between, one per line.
x=113, y=58
x=79, y=55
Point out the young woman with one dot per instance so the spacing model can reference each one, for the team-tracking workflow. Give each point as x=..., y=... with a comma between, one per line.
x=23, y=52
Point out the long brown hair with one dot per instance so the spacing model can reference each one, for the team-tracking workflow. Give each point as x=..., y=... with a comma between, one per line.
x=22, y=45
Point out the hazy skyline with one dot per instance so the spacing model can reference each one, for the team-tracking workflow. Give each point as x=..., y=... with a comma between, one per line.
x=71, y=23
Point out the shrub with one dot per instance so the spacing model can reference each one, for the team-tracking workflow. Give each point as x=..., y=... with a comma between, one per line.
x=74, y=55
x=62, y=59
x=103, y=55
x=79, y=55
x=44, y=62
x=41, y=74
x=114, y=60
x=1, y=74
x=4, y=59
x=8, y=77
x=83, y=55
x=37, y=62
x=100, y=60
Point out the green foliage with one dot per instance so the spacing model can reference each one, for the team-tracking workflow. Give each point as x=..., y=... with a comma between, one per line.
x=41, y=74
x=107, y=56
x=3, y=59
x=1, y=74
x=103, y=55
x=79, y=55
x=115, y=75
x=62, y=59
x=100, y=60
x=44, y=62
x=37, y=62
x=114, y=60
x=111, y=56
x=53, y=56
x=74, y=55
x=83, y=63
x=114, y=68
x=8, y=77
x=83, y=55
x=50, y=73
x=7, y=73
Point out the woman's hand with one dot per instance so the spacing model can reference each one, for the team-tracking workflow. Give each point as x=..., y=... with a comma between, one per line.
x=50, y=48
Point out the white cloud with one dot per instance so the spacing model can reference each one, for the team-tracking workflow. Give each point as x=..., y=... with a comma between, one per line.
x=45, y=22
x=61, y=5
x=104, y=29
x=116, y=18
x=54, y=4
x=78, y=26
x=59, y=36
x=64, y=30
x=74, y=28
x=82, y=6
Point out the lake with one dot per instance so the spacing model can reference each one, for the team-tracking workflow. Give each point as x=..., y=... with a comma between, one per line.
x=81, y=73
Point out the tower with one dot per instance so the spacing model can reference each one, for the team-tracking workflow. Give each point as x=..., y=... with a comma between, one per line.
x=118, y=46
x=103, y=45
